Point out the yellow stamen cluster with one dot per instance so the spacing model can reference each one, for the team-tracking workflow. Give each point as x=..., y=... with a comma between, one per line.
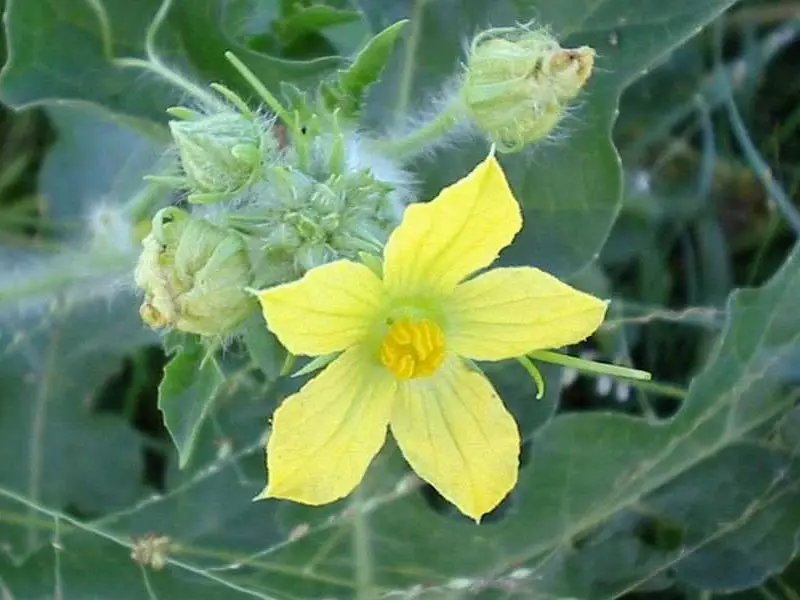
x=413, y=348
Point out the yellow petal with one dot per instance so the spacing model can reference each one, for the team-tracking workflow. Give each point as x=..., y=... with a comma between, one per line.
x=505, y=313
x=461, y=231
x=456, y=434
x=324, y=437
x=328, y=310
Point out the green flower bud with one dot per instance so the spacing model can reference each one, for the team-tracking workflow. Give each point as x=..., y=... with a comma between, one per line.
x=299, y=222
x=193, y=275
x=221, y=154
x=518, y=83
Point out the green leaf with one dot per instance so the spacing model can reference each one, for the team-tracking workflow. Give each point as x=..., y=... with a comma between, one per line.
x=353, y=82
x=95, y=160
x=742, y=513
x=90, y=566
x=204, y=29
x=569, y=184
x=187, y=392
x=91, y=181
x=97, y=52
x=66, y=454
x=264, y=348
x=310, y=19
x=75, y=58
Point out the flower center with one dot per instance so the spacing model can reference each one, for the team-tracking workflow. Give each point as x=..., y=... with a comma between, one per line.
x=413, y=348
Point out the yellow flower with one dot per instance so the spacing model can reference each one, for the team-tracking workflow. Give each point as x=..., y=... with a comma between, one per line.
x=404, y=338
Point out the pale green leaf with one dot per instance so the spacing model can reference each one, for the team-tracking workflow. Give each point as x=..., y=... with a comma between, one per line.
x=187, y=392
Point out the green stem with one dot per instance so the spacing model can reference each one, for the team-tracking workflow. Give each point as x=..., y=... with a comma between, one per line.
x=270, y=100
x=125, y=542
x=365, y=580
x=62, y=276
x=36, y=439
x=139, y=366
x=788, y=591
x=168, y=75
x=434, y=129
x=409, y=58
x=589, y=366
x=182, y=549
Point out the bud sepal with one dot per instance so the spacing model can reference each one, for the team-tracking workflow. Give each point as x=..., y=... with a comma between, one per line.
x=222, y=152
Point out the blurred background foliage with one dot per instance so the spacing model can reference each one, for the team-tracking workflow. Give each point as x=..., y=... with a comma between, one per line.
x=686, y=488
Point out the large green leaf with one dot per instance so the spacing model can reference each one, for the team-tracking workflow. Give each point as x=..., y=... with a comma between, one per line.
x=71, y=50
x=742, y=513
x=571, y=184
x=67, y=331
x=94, y=161
x=65, y=50
x=65, y=454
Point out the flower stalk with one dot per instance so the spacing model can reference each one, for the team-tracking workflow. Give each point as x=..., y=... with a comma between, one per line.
x=435, y=129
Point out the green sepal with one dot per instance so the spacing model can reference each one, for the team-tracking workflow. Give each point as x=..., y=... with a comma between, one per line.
x=206, y=198
x=535, y=374
x=315, y=364
x=183, y=113
x=373, y=262
x=175, y=181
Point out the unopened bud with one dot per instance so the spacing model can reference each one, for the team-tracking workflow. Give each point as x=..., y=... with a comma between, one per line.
x=518, y=83
x=300, y=222
x=221, y=154
x=193, y=275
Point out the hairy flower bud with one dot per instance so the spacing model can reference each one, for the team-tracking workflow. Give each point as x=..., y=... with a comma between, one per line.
x=193, y=275
x=300, y=222
x=519, y=81
x=221, y=153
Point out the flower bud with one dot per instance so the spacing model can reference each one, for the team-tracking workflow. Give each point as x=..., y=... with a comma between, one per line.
x=193, y=275
x=518, y=83
x=300, y=222
x=221, y=153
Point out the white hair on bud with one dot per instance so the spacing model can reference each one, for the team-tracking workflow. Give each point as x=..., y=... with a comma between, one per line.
x=435, y=104
x=360, y=155
x=109, y=224
x=98, y=264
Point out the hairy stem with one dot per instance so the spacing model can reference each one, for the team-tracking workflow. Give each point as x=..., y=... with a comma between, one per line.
x=429, y=132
